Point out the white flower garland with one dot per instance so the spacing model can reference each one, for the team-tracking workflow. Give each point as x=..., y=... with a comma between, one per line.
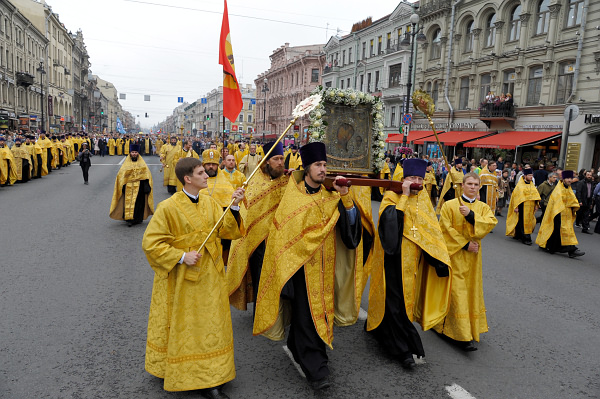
x=351, y=97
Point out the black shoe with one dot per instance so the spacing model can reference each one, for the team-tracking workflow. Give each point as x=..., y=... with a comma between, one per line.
x=586, y=231
x=86, y=183
x=213, y=393
x=576, y=253
x=408, y=363
x=323, y=383
x=469, y=346
x=527, y=242
x=543, y=249
x=577, y=225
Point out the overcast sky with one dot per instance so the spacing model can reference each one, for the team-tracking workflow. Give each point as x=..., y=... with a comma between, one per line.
x=169, y=48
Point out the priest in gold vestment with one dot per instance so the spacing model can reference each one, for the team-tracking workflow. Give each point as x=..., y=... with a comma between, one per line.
x=167, y=158
x=463, y=227
x=185, y=152
x=35, y=151
x=556, y=231
x=22, y=161
x=8, y=171
x=524, y=202
x=47, y=153
x=430, y=183
x=261, y=200
x=250, y=161
x=119, y=145
x=452, y=186
x=488, y=192
x=300, y=261
x=132, y=196
x=236, y=178
x=413, y=282
x=112, y=145
x=190, y=336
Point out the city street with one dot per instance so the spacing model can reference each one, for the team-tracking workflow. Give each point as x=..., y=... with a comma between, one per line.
x=76, y=293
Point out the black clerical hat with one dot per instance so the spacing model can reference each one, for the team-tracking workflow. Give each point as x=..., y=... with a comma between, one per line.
x=458, y=161
x=528, y=171
x=567, y=174
x=278, y=150
x=414, y=167
x=134, y=147
x=312, y=152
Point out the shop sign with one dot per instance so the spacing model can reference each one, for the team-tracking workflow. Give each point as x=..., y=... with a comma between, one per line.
x=591, y=118
x=557, y=126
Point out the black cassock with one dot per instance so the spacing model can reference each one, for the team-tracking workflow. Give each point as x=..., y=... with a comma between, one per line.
x=396, y=333
x=140, y=202
x=304, y=342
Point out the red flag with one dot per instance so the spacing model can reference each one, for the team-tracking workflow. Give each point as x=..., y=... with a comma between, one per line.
x=232, y=95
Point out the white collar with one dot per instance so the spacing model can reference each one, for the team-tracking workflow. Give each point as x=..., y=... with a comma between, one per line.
x=194, y=197
x=469, y=200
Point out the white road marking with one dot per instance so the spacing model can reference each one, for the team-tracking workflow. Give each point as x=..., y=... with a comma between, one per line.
x=122, y=160
x=289, y=353
x=362, y=314
x=457, y=392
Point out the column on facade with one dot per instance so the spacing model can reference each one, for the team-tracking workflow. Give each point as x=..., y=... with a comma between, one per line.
x=499, y=25
x=476, y=42
x=523, y=35
x=552, y=30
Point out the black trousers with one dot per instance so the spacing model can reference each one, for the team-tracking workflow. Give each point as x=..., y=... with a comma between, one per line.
x=520, y=227
x=85, y=168
x=586, y=216
x=554, y=242
x=255, y=264
x=303, y=341
x=171, y=189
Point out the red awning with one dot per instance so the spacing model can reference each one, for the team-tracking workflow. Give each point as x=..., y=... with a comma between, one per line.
x=513, y=139
x=454, y=137
x=412, y=136
x=394, y=138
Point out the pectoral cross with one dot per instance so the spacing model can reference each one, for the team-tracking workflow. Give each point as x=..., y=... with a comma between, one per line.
x=414, y=231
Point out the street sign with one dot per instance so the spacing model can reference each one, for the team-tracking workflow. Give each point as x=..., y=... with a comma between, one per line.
x=405, y=130
x=296, y=135
x=204, y=101
x=180, y=99
x=574, y=114
x=407, y=119
x=253, y=101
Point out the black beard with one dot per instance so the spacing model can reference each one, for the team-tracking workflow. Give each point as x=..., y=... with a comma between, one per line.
x=134, y=159
x=273, y=173
x=211, y=173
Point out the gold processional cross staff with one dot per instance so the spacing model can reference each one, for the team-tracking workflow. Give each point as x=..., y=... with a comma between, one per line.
x=304, y=108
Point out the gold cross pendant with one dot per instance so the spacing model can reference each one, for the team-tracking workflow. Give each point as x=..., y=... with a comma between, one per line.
x=414, y=231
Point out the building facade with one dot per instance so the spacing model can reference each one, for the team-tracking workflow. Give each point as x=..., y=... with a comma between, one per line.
x=543, y=52
x=371, y=59
x=294, y=73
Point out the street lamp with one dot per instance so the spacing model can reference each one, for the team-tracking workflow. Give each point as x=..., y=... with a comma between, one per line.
x=410, y=39
x=265, y=90
x=40, y=69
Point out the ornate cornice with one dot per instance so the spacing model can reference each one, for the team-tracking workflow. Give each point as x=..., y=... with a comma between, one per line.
x=554, y=10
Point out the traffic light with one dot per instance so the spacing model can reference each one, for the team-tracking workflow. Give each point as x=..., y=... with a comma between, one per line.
x=207, y=117
x=101, y=112
x=146, y=114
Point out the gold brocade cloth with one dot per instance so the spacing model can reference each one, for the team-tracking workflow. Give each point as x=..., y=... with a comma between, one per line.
x=426, y=296
x=130, y=174
x=528, y=195
x=219, y=188
x=491, y=182
x=563, y=201
x=457, y=180
x=303, y=234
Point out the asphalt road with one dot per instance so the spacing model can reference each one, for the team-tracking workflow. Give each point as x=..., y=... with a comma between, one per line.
x=76, y=289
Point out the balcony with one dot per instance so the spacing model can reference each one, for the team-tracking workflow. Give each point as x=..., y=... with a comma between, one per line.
x=433, y=7
x=500, y=114
x=24, y=79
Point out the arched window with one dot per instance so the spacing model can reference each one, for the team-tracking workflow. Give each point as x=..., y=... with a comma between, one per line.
x=435, y=91
x=543, y=17
x=428, y=88
x=490, y=31
x=565, y=81
x=575, y=13
x=508, y=84
x=463, y=101
x=436, y=44
x=485, y=88
x=515, y=24
x=469, y=37
x=534, y=87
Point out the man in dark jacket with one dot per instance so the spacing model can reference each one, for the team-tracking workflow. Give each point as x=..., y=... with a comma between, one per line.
x=545, y=189
x=585, y=196
x=540, y=175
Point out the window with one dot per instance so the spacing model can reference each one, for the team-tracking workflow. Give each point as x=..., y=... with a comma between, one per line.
x=369, y=88
x=565, y=81
x=575, y=13
x=350, y=55
x=484, y=89
x=249, y=129
x=362, y=82
x=249, y=118
x=348, y=83
x=364, y=50
x=393, y=117
x=327, y=84
x=534, y=88
x=515, y=24
x=435, y=92
x=395, y=73
x=399, y=35
x=343, y=57
x=297, y=80
x=291, y=79
x=389, y=40
x=508, y=85
x=376, y=80
x=371, y=49
x=543, y=17
x=463, y=100
x=428, y=89
x=241, y=117
x=314, y=76
x=436, y=44
x=379, y=43
x=342, y=83
x=490, y=31
x=469, y=37
x=250, y=106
